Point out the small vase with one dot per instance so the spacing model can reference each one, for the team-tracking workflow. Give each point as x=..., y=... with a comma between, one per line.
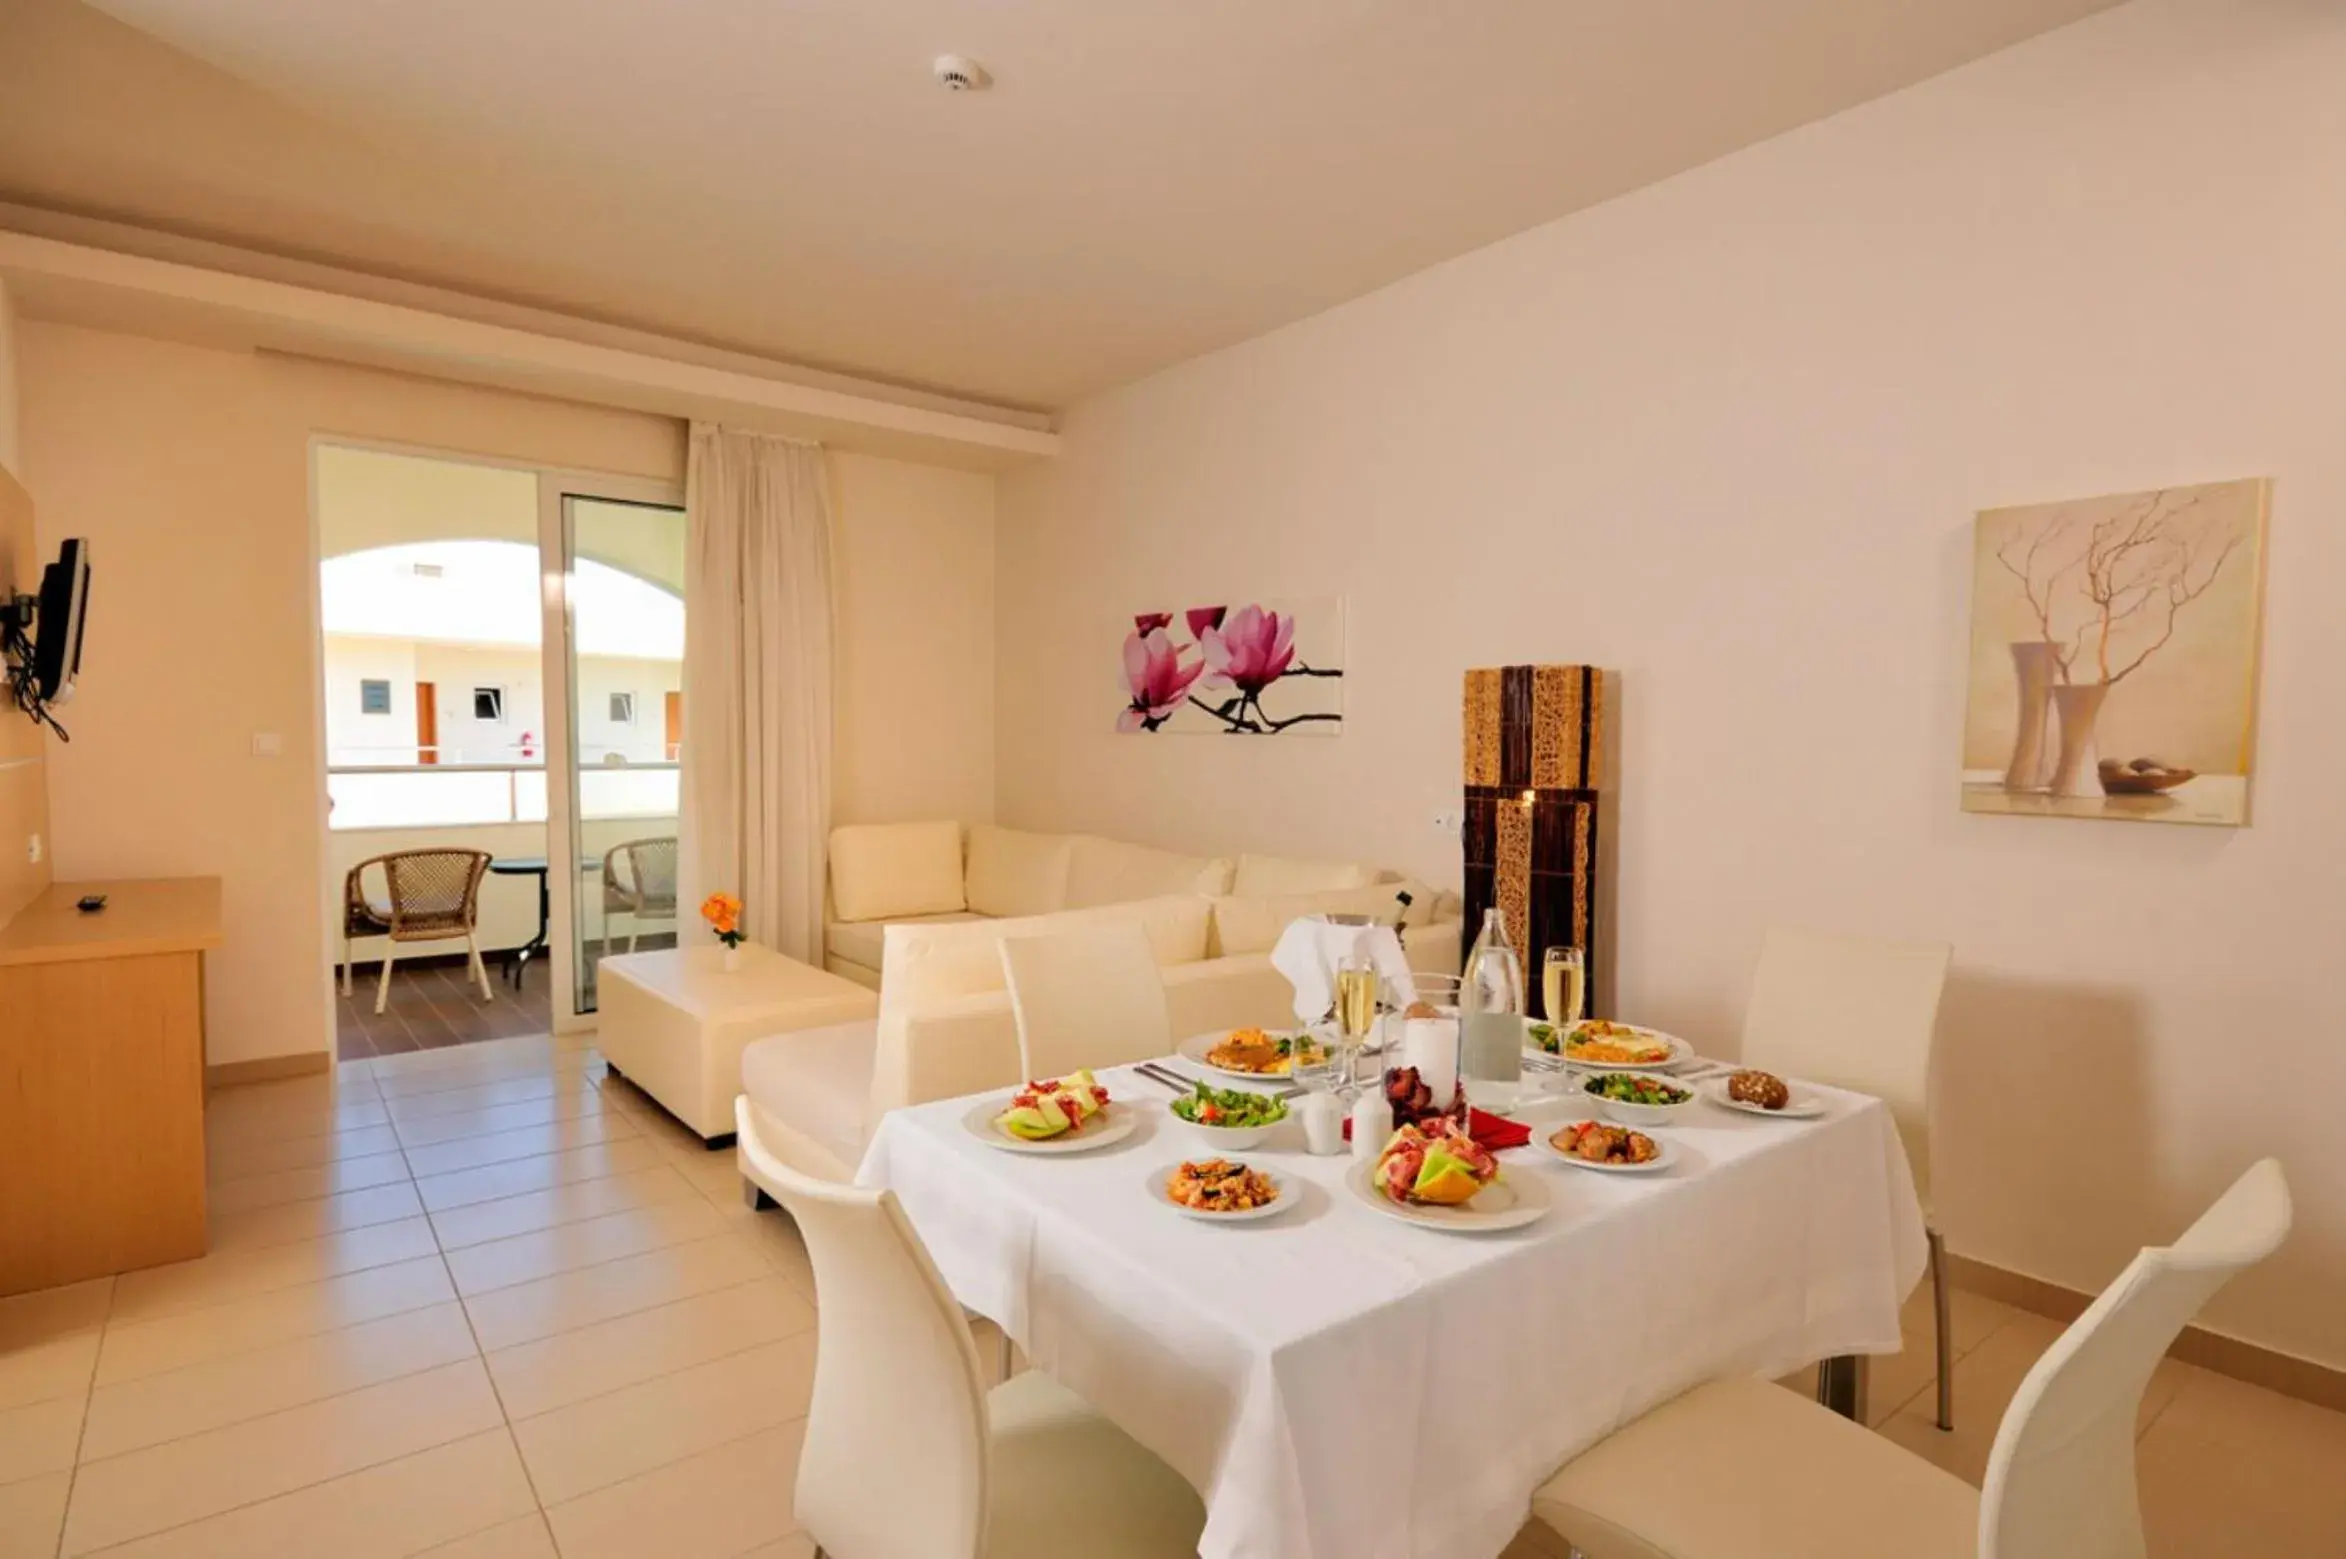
x=2036, y=665
x=2078, y=707
x=732, y=959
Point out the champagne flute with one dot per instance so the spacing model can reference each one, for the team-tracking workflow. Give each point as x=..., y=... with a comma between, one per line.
x=1564, y=981
x=1356, y=1006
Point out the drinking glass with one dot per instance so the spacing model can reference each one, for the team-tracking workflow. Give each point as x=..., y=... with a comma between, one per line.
x=1325, y=1074
x=1356, y=1006
x=1564, y=982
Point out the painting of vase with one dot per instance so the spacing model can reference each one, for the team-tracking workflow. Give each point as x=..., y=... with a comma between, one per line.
x=1244, y=668
x=2114, y=648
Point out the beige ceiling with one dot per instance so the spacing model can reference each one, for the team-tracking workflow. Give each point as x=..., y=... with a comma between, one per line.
x=1149, y=179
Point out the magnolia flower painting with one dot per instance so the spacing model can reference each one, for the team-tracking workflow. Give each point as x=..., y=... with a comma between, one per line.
x=1266, y=668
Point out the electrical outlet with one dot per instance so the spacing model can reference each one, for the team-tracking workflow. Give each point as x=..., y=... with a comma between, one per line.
x=32, y=849
x=268, y=744
x=1449, y=822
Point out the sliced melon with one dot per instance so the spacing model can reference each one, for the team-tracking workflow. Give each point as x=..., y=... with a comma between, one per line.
x=1047, y=1117
x=1445, y=1179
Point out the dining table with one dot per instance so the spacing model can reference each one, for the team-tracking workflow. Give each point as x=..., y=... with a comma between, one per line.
x=1340, y=1384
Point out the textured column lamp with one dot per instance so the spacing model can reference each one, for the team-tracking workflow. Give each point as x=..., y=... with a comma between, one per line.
x=1532, y=840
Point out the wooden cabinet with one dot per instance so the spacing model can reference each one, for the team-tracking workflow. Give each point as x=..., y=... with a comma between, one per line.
x=102, y=1080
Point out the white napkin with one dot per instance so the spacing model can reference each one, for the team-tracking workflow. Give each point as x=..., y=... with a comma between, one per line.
x=1310, y=950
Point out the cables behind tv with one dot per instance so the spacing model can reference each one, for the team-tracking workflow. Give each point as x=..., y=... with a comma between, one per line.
x=16, y=645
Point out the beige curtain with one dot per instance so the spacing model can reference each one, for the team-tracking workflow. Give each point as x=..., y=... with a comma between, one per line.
x=757, y=684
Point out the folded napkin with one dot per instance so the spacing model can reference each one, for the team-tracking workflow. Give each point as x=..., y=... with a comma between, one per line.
x=1310, y=950
x=1495, y=1132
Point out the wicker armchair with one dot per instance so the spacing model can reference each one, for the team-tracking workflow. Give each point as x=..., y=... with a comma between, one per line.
x=645, y=891
x=430, y=896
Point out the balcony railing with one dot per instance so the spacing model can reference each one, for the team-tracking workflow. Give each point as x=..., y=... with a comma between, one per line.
x=441, y=795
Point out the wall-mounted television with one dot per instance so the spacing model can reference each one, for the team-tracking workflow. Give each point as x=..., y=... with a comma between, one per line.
x=44, y=634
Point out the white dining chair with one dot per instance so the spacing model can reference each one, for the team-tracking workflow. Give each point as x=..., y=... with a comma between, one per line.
x=1860, y=1013
x=1088, y=998
x=1744, y=1469
x=907, y=1455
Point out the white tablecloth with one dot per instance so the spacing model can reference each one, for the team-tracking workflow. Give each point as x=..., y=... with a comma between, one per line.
x=1341, y=1386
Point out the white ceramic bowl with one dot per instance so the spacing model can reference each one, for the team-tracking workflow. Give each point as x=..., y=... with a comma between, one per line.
x=1220, y=1141
x=1622, y=1112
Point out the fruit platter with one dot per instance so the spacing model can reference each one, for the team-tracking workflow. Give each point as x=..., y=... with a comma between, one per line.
x=1436, y=1176
x=1056, y=1115
x=1436, y=1165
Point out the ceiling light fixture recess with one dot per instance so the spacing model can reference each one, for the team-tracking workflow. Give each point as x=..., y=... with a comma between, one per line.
x=956, y=74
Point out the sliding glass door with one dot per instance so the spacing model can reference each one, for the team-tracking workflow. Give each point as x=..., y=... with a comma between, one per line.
x=623, y=648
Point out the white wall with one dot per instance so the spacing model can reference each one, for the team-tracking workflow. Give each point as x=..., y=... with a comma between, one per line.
x=914, y=583
x=457, y=670
x=1727, y=436
x=352, y=735
x=645, y=739
x=190, y=470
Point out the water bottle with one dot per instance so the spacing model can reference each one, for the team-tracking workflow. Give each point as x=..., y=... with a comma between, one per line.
x=1490, y=1018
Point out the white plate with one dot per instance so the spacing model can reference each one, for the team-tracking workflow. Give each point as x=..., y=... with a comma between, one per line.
x=1805, y=1104
x=1113, y=1124
x=1666, y=1153
x=1194, y=1048
x=1270, y=1209
x=1509, y=1202
x=1680, y=1051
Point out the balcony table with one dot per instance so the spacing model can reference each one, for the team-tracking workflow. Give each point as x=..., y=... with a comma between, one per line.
x=534, y=866
x=1338, y=1385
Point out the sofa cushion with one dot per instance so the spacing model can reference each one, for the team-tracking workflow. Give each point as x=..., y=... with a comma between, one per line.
x=859, y=941
x=1262, y=876
x=1107, y=871
x=884, y=869
x=1015, y=873
x=930, y=963
x=1245, y=924
x=817, y=1083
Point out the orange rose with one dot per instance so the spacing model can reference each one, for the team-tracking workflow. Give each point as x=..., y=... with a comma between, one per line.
x=723, y=913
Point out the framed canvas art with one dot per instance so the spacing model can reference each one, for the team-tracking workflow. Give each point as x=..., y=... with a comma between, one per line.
x=1260, y=668
x=2114, y=656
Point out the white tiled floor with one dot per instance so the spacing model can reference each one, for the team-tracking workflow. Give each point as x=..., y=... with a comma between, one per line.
x=473, y=1303
x=464, y=1302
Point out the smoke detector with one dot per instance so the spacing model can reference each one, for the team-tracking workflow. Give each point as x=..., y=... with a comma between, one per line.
x=956, y=74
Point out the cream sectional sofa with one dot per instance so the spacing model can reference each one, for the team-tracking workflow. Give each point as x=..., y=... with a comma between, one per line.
x=885, y=874
x=945, y=1026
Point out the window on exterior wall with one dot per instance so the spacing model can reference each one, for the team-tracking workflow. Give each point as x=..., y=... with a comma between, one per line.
x=374, y=696
x=623, y=709
x=488, y=704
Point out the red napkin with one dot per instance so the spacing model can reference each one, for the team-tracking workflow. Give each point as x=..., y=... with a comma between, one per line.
x=1495, y=1132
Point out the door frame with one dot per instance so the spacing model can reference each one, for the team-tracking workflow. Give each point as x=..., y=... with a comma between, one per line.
x=555, y=486
x=554, y=481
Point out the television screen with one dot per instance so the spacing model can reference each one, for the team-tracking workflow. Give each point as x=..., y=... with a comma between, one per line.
x=65, y=601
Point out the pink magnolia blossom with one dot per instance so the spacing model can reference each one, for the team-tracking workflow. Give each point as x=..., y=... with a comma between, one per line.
x=1150, y=622
x=1157, y=678
x=1251, y=650
x=1202, y=618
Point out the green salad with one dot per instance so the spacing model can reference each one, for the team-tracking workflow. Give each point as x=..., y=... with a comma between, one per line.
x=1230, y=1107
x=1629, y=1088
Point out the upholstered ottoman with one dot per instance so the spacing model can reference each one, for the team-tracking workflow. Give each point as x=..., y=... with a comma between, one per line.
x=675, y=1022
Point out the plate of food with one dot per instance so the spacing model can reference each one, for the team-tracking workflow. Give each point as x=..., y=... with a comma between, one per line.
x=1438, y=1177
x=1220, y=1190
x=1609, y=1149
x=1252, y=1052
x=1638, y=1098
x=1227, y=1120
x=1763, y=1093
x=1602, y=1042
x=1071, y=1114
